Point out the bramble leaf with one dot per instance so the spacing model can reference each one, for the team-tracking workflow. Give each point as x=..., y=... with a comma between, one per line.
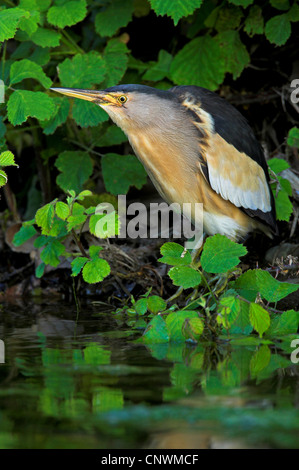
x=174, y=254
x=76, y=168
x=259, y=318
x=278, y=29
x=175, y=9
x=114, y=16
x=25, y=103
x=9, y=20
x=184, y=276
x=221, y=254
x=25, y=68
x=67, y=13
x=77, y=265
x=95, y=270
x=122, y=171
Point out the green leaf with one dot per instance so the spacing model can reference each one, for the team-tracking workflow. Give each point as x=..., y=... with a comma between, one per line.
x=116, y=60
x=78, y=217
x=234, y=53
x=260, y=360
x=3, y=178
x=104, y=225
x=228, y=310
x=113, y=136
x=280, y=4
x=122, y=171
x=176, y=323
x=242, y=3
x=156, y=331
x=67, y=13
x=175, y=9
x=184, y=276
x=94, y=251
x=200, y=62
x=141, y=306
x=62, y=210
x=88, y=114
x=293, y=137
x=283, y=205
x=254, y=23
x=259, y=318
x=40, y=270
x=221, y=254
x=278, y=164
x=44, y=218
x=25, y=68
x=59, y=116
x=95, y=270
x=30, y=24
x=83, y=70
x=224, y=18
x=156, y=304
x=7, y=159
x=160, y=69
x=9, y=20
x=25, y=233
x=284, y=324
x=193, y=328
x=114, y=16
x=52, y=251
x=46, y=37
x=77, y=264
x=255, y=281
x=76, y=168
x=278, y=29
x=25, y=103
x=174, y=254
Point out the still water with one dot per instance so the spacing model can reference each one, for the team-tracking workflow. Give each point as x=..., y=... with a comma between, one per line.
x=82, y=380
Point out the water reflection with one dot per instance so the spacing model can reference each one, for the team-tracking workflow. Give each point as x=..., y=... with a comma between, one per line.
x=82, y=381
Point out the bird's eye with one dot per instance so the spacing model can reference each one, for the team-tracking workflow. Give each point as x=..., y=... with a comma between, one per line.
x=122, y=99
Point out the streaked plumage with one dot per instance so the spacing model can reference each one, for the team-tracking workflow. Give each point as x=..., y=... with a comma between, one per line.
x=196, y=147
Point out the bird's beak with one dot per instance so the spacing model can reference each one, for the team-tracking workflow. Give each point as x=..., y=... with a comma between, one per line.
x=99, y=97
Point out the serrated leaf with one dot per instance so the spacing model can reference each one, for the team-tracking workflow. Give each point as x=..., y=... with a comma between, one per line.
x=25, y=68
x=25, y=233
x=44, y=218
x=184, y=276
x=94, y=251
x=176, y=321
x=77, y=264
x=88, y=114
x=7, y=159
x=25, y=103
x=254, y=23
x=175, y=9
x=45, y=37
x=30, y=24
x=278, y=164
x=255, y=281
x=67, y=13
x=278, y=29
x=3, y=178
x=77, y=217
x=76, y=168
x=114, y=16
x=116, y=59
x=200, y=62
x=83, y=70
x=141, y=306
x=293, y=137
x=9, y=20
x=228, y=310
x=50, y=254
x=156, y=304
x=259, y=318
x=62, y=210
x=122, y=171
x=59, y=116
x=284, y=324
x=221, y=254
x=174, y=254
x=234, y=53
x=193, y=329
x=283, y=205
x=156, y=331
x=95, y=270
x=160, y=69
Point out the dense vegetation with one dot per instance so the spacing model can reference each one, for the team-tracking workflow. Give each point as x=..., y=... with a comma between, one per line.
x=71, y=158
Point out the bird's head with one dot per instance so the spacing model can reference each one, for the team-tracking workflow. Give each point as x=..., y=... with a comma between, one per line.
x=131, y=107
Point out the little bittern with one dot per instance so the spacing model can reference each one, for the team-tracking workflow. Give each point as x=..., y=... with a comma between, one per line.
x=196, y=147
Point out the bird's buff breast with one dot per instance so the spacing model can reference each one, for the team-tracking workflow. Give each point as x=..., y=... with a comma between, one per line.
x=183, y=182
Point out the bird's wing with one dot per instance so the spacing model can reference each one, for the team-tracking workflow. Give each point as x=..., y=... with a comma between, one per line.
x=235, y=165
